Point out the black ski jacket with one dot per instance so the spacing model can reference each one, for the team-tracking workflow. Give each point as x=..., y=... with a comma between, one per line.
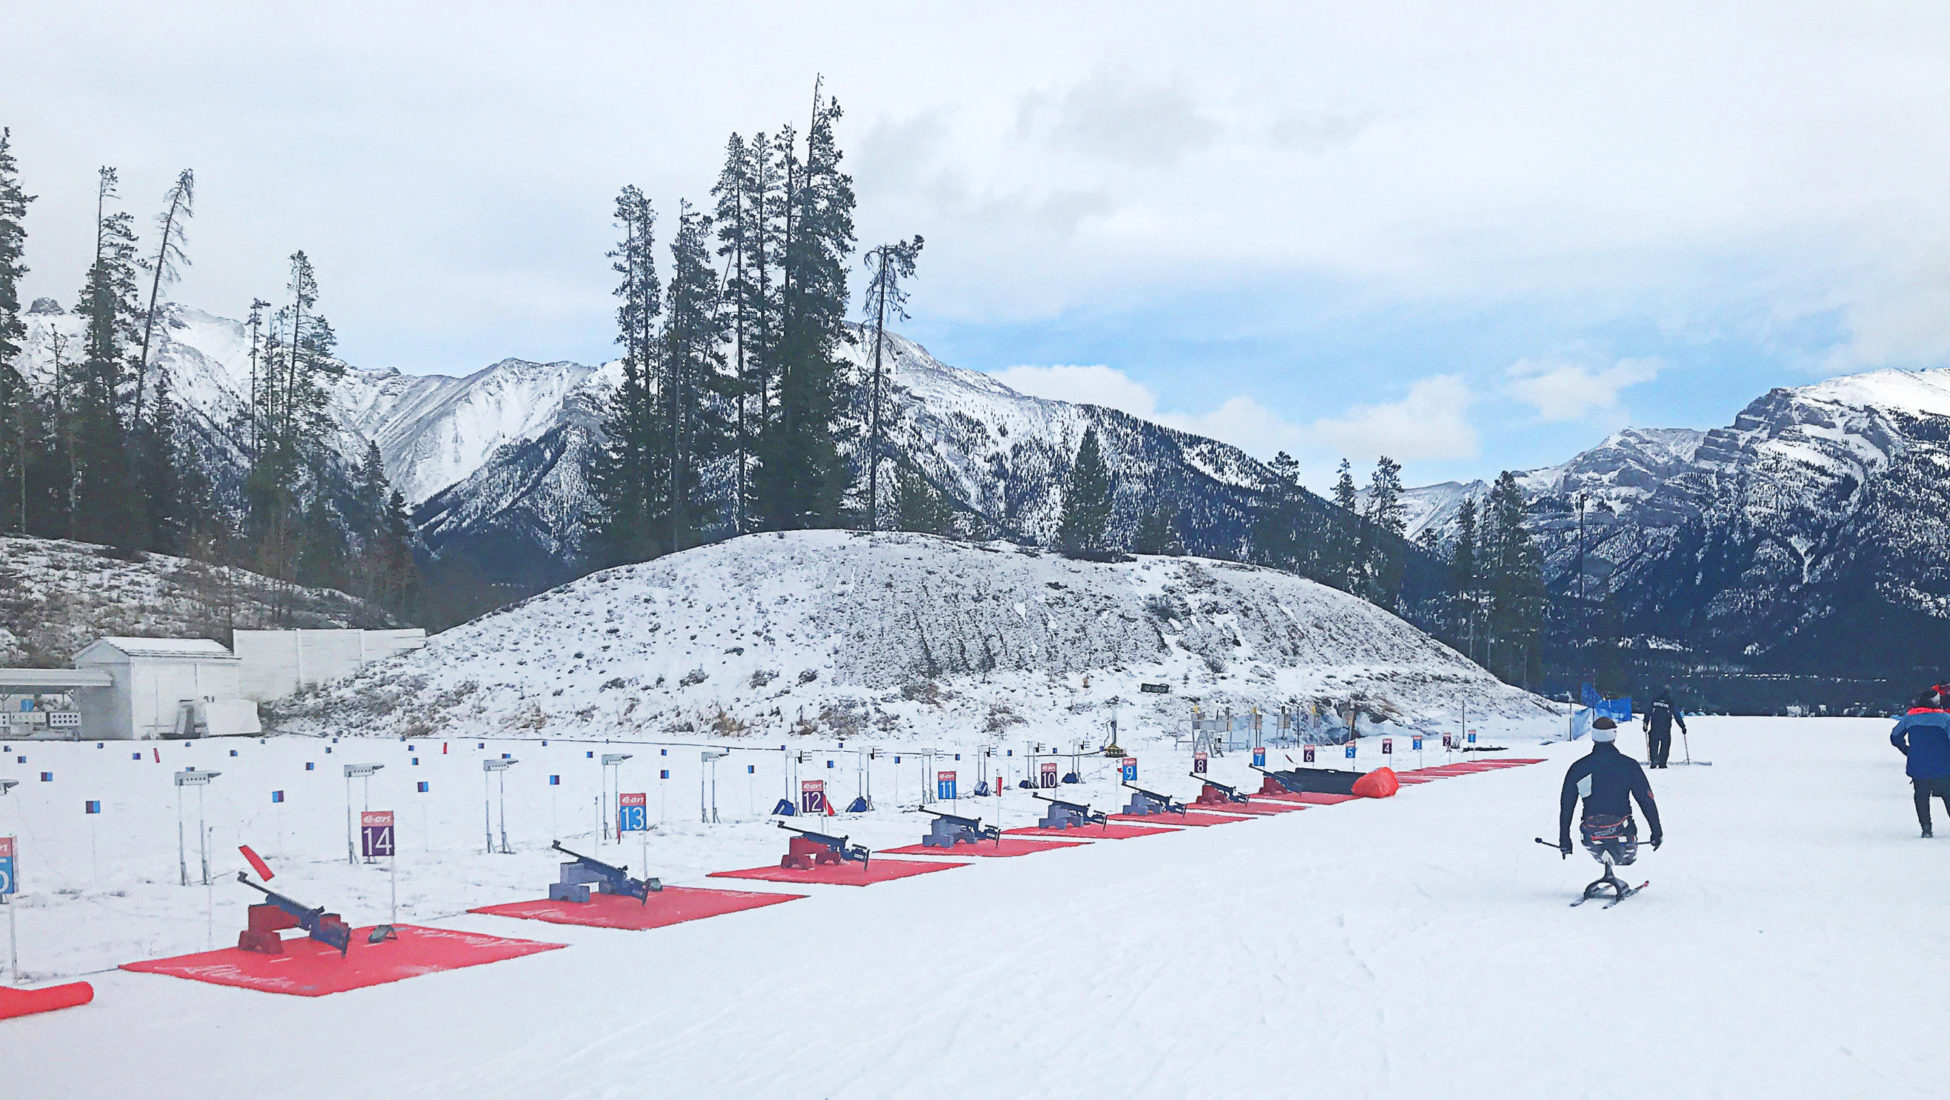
x=1607, y=780
x=1660, y=718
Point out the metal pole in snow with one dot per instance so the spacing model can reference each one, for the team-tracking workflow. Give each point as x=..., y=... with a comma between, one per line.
x=182, y=856
x=13, y=940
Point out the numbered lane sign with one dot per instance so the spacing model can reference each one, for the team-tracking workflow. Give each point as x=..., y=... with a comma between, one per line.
x=1307, y=754
x=1415, y=743
x=1472, y=737
x=1259, y=756
x=944, y=785
x=632, y=813
x=1349, y=751
x=812, y=796
x=1198, y=763
x=1049, y=773
x=1387, y=746
x=1448, y=740
x=1130, y=769
x=8, y=883
x=376, y=833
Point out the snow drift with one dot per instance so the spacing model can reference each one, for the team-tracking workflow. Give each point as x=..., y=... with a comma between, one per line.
x=833, y=633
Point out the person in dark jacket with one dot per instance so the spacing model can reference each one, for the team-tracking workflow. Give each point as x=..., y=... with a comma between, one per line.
x=1657, y=723
x=1607, y=780
x=1923, y=735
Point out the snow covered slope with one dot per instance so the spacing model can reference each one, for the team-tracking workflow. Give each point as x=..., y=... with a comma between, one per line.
x=58, y=596
x=843, y=633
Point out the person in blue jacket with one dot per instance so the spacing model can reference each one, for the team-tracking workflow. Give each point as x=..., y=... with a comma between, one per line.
x=1923, y=735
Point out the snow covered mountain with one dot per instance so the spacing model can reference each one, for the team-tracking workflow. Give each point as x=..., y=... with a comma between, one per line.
x=494, y=463
x=1811, y=536
x=850, y=634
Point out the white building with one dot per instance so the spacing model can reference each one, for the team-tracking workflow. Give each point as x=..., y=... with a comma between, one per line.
x=162, y=687
x=276, y=663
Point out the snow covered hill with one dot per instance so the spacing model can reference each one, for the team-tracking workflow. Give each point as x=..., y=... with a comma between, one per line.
x=58, y=596
x=848, y=634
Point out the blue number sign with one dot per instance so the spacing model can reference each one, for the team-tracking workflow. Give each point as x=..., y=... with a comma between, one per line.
x=1130, y=769
x=632, y=813
x=8, y=884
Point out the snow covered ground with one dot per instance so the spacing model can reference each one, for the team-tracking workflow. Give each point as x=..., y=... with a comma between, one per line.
x=1791, y=943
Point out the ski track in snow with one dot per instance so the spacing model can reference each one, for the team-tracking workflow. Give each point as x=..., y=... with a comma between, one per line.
x=1793, y=945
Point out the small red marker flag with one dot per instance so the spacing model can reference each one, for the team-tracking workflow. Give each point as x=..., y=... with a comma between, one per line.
x=158, y=753
x=257, y=863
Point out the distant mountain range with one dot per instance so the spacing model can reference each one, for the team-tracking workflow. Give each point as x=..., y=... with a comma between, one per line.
x=493, y=464
x=1801, y=552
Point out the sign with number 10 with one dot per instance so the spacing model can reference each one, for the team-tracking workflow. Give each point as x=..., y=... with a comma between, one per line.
x=632, y=813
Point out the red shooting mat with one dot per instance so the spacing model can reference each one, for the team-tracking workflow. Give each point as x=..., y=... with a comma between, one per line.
x=848, y=873
x=310, y=969
x=671, y=905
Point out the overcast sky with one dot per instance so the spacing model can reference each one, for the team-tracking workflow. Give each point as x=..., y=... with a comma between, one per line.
x=1472, y=236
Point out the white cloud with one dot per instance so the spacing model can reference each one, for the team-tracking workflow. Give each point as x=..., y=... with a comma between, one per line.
x=1562, y=392
x=1429, y=423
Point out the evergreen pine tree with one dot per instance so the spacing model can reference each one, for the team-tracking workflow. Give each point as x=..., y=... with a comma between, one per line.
x=1513, y=582
x=1087, y=498
x=16, y=401
x=694, y=386
x=1157, y=528
x=802, y=480
x=160, y=462
x=103, y=505
x=1280, y=528
x=739, y=221
x=292, y=423
x=1340, y=564
x=1383, y=527
x=178, y=205
x=627, y=475
x=919, y=507
x=887, y=266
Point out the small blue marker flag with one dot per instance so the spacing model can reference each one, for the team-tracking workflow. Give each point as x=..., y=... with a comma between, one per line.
x=423, y=788
x=47, y=777
x=277, y=796
x=92, y=807
x=829, y=763
x=555, y=781
x=309, y=766
x=664, y=774
x=751, y=769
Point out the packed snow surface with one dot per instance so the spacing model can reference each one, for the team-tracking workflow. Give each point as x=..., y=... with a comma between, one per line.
x=1791, y=943
x=909, y=636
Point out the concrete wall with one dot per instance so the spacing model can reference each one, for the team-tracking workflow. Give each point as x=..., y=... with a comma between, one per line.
x=279, y=662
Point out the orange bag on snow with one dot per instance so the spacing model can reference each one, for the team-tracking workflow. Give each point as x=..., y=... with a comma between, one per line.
x=1379, y=783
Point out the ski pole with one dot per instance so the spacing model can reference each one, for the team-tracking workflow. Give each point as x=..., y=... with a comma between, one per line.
x=1560, y=851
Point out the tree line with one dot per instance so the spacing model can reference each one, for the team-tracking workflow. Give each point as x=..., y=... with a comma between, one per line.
x=102, y=450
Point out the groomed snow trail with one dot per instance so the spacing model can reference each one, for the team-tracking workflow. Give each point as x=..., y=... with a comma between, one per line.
x=1793, y=943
